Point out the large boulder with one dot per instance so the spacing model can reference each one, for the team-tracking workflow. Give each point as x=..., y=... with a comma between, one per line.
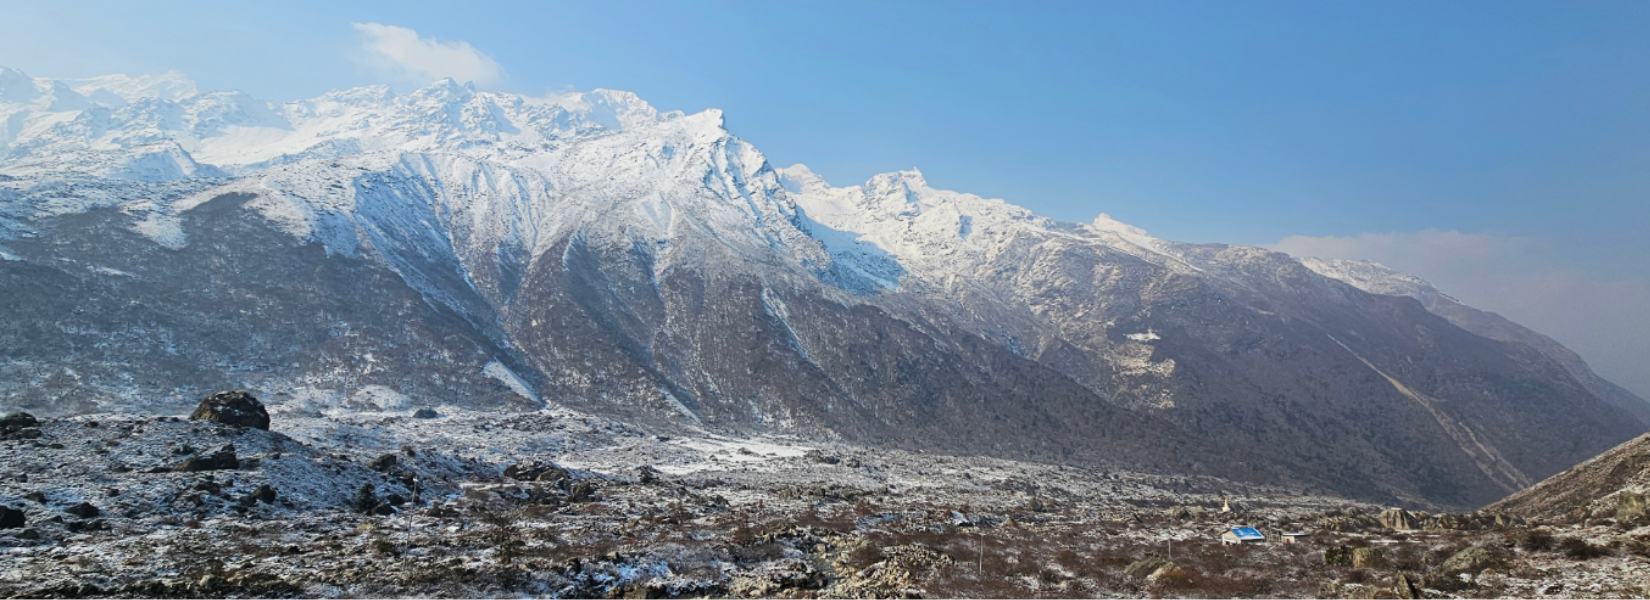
x=233, y=408
x=1404, y=587
x=223, y=459
x=1631, y=506
x=1364, y=558
x=1473, y=560
x=19, y=426
x=11, y=518
x=1148, y=568
x=383, y=463
x=535, y=470
x=1398, y=518
x=84, y=510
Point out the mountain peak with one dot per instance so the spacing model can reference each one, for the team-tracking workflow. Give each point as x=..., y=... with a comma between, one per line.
x=1104, y=222
x=911, y=178
x=446, y=88
x=114, y=90
x=16, y=87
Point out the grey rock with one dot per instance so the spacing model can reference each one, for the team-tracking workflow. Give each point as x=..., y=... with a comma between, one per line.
x=11, y=518
x=233, y=408
x=1631, y=506
x=1399, y=519
x=647, y=475
x=84, y=510
x=222, y=459
x=1364, y=558
x=19, y=426
x=264, y=494
x=1147, y=568
x=1473, y=560
x=583, y=491
x=1405, y=588
x=383, y=463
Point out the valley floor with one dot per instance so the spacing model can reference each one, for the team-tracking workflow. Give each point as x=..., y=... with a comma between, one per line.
x=593, y=508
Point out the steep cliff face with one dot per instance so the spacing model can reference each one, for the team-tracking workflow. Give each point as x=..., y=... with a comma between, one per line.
x=373, y=252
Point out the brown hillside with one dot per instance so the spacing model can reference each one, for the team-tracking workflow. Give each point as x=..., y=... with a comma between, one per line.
x=1595, y=485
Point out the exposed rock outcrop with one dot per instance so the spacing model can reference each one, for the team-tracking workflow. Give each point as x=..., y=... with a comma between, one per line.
x=11, y=518
x=1148, y=568
x=1631, y=506
x=19, y=426
x=233, y=408
x=84, y=510
x=1612, y=484
x=223, y=459
x=1474, y=560
x=1398, y=518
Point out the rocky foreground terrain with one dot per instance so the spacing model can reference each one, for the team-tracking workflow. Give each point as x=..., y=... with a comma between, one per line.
x=563, y=504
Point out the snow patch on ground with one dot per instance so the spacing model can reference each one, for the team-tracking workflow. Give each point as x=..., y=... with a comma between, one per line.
x=165, y=230
x=498, y=371
x=676, y=402
x=715, y=452
x=382, y=398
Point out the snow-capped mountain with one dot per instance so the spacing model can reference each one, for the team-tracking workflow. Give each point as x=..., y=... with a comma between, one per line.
x=371, y=251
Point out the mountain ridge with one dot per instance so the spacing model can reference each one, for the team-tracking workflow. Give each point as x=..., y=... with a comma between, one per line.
x=587, y=249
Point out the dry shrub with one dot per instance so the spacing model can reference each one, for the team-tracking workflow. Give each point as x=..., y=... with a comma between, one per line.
x=865, y=555
x=840, y=523
x=1407, y=558
x=1536, y=540
x=1580, y=549
x=1069, y=559
x=757, y=553
x=1180, y=579
x=1220, y=586
x=864, y=508
x=1638, y=547
x=743, y=536
x=1438, y=554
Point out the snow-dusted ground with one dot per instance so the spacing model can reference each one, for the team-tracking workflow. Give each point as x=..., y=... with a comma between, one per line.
x=716, y=516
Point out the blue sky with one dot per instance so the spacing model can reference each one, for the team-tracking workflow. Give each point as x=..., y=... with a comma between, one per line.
x=1386, y=130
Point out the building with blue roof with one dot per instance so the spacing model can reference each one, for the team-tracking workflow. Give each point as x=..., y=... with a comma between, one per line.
x=1242, y=535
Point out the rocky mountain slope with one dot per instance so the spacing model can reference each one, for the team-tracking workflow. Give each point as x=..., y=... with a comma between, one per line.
x=1377, y=279
x=1612, y=485
x=369, y=251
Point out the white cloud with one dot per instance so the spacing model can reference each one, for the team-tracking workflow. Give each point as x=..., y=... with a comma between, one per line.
x=406, y=56
x=1606, y=321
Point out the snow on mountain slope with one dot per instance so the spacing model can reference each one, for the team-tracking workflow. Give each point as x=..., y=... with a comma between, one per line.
x=47, y=120
x=156, y=129
x=898, y=218
x=496, y=249
x=113, y=90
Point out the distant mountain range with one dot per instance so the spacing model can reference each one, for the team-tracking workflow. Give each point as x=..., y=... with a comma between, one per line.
x=377, y=252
